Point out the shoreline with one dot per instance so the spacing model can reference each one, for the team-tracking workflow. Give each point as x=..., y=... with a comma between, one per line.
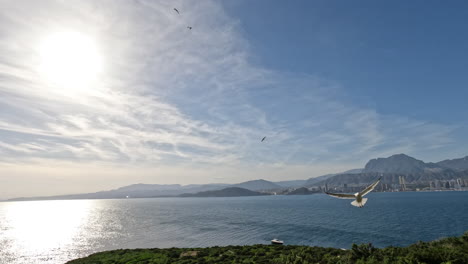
x=158, y=197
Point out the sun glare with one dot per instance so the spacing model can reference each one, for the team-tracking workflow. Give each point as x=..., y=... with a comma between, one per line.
x=70, y=60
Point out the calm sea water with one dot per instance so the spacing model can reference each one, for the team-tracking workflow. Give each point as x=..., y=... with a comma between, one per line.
x=57, y=231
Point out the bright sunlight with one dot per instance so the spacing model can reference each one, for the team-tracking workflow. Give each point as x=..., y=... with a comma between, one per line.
x=70, y=60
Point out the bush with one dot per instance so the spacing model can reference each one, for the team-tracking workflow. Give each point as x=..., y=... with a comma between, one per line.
x=453, y=250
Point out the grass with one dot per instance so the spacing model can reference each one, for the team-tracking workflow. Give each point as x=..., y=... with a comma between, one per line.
x=452, y=250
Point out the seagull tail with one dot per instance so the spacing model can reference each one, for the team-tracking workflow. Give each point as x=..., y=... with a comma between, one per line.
x=361, y=204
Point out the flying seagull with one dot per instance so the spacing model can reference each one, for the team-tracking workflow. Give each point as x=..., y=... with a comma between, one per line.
x=175, y=9
x=357, y=197
x=189, y=28
x=263, y=139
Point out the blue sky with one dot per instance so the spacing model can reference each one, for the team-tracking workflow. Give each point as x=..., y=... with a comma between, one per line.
x=398, y=57
x=96, y=95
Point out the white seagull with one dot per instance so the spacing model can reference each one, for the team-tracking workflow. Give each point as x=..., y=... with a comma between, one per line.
x=359, y=201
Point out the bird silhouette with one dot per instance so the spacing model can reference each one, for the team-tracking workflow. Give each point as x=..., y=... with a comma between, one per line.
x=190, y=28
x=263, y=139
x=175, y=9
x=358, y=200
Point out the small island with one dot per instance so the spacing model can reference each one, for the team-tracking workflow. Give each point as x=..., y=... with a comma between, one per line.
x=453, y=250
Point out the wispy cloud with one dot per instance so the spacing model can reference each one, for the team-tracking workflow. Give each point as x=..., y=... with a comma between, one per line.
x=170, y=97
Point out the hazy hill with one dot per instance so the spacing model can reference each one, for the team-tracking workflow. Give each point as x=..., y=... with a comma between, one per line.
x=401, y=163
x=135, y=191
x=227, y=192
x=293, y=183
x=353, y=171
x=415, y=172
x=455, y=164
x=258, y=185
x=300, y=191
x=149, y=187
x=363, y=179
x=313, y=181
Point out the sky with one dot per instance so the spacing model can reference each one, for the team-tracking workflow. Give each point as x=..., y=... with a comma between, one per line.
x=95, y=95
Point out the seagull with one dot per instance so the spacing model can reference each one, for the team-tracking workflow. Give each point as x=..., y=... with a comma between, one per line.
x=189, y=28
x=263, y=139
x=175, y=9
x=358, y=200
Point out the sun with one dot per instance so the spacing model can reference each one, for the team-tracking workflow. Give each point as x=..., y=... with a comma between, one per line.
x=70, y=60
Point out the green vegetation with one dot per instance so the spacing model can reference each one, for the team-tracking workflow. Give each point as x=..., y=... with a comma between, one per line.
x=453, y=250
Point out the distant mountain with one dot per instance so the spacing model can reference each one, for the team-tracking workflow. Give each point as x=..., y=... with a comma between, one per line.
x=415, y=172
x=300, y=191
x=293, y=183
x=313, y=181
x=227, y=192
x=455, y=164
x=258, y=185
x=149, y=187
x=353, y=171
x=401, y=163
x=362, y=179
x=134, y=191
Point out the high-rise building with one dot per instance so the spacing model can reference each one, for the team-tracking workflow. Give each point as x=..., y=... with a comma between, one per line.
x=401, y=180
x=459, y=182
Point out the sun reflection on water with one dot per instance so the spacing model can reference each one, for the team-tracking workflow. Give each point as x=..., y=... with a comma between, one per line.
x=43, y=226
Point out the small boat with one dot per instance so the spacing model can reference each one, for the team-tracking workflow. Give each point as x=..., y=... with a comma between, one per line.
x=277, y=242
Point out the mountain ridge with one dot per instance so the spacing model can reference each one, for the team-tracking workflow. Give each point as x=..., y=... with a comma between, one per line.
x=401, y=163
x=416, y=172
x=459, y=164
x=226, y=192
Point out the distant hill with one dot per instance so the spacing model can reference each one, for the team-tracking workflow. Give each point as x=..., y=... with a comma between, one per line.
x=149, y=187
x=134, y=191
x=416, y=172
x=401, y=163
x=363, y=179
x=455, y=164
x=300, y=191
x=353, y=171
x=293, y=183
x=227, y=192
x=313, y=181
x=258, y=185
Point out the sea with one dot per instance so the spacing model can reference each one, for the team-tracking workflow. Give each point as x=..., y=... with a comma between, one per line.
x=58, y=231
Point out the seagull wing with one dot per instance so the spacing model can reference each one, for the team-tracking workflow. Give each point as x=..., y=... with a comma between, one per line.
x=342, y=195
x=370, y=187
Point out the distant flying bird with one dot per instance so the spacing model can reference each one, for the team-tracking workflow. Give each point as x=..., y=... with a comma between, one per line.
x=358, y=200
x=175, y=9
x=189, y=28
x=263, y=139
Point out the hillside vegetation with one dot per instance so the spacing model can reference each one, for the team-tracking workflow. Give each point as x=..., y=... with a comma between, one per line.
x=453, y=250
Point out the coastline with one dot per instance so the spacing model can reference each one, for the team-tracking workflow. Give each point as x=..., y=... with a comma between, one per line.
x=452, y=250
x=198, y=197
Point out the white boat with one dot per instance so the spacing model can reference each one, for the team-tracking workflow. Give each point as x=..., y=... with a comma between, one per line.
x=277, y=242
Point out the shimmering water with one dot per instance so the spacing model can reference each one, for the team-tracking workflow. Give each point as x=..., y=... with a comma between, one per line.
x=57, y=231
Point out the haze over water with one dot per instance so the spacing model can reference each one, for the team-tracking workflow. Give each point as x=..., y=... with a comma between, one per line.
x=58, y=231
